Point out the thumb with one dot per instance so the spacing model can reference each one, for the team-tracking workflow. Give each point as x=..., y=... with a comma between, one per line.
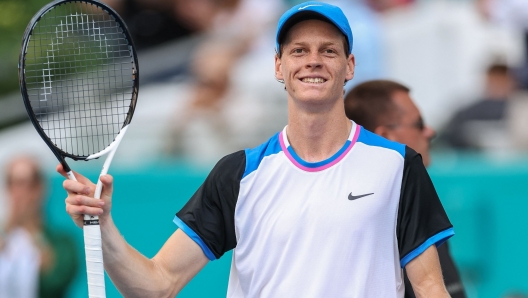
x=108, y=187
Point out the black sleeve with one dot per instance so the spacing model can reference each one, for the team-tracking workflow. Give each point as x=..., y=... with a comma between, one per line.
x=209, y=216
x=422, y=220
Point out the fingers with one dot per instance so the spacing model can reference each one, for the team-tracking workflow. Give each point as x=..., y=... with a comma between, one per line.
x=60, y=170
x=80, y=200
x=108, y=187
x=81, y=204
x=79, y=177
x=74, y=210
x=76, y=187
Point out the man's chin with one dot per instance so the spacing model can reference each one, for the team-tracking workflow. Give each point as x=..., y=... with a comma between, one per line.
x=316, y=96
x=426, y=160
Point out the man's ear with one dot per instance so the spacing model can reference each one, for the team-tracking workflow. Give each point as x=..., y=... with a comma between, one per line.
x=351, y=65
x=384, y=131
x=278, y=72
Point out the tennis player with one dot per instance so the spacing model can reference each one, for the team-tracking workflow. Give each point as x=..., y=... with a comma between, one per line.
x=324, y=208
x=386, y=108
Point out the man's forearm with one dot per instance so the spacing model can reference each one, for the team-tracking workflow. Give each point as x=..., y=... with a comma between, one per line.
x=425, y=275
x=132, y=273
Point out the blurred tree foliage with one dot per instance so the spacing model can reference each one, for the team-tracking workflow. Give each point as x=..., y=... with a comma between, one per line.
x=14, y=17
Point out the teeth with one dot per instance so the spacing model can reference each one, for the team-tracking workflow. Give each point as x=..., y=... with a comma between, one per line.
x=314, y=80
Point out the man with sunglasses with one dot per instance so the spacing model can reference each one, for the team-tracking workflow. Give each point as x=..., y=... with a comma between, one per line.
x=386, y=108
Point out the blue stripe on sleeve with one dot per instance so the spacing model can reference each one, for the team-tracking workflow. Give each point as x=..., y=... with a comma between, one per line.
x=208, y=253
x=437, y=239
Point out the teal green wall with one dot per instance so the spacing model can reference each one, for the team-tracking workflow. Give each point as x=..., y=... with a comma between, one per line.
x=487, y=201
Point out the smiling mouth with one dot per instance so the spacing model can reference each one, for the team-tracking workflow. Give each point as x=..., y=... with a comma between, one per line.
x=313, y=80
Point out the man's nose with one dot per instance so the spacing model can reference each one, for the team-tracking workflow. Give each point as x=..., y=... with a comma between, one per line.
x=429, y=132
x=314, y=59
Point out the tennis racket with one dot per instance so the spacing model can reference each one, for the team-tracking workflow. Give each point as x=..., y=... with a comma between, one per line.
x=78, y=74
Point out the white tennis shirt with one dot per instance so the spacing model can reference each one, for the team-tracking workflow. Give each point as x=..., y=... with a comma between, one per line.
x=342, y=227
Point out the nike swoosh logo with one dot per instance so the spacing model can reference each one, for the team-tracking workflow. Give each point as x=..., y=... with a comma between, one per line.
x=303, y=7
x=351, y=197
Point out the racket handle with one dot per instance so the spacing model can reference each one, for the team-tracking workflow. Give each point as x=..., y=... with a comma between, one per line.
x=93, y=251
x=94, y=261
x=93, y=244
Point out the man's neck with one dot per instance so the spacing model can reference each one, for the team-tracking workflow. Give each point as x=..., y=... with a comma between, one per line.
x=317, y=136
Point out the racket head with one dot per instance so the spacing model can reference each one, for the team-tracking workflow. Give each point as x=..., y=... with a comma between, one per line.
x=79, y=77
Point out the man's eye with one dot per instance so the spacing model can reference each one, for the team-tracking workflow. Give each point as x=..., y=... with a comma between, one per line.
x=298, y=51
x=329, y=51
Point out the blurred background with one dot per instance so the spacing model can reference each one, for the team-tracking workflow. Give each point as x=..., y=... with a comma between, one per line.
x=207, y=88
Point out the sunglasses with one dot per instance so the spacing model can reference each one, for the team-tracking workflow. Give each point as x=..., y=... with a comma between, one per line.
x=418, y=124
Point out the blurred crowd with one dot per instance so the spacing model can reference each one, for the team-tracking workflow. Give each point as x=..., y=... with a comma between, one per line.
x=466, y=62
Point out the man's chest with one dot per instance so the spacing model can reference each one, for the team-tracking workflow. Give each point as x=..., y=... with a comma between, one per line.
x=285, y=201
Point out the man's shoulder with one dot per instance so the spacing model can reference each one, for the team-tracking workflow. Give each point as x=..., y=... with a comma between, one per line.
x=484, y=109
x=232, y=160
x=248, y=160
x=254, y=156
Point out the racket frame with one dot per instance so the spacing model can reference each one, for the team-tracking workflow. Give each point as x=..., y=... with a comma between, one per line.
x=59, y=153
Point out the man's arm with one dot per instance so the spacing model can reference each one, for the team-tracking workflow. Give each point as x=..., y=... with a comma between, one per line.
x=177, y=262
x=134, y=275
x=425, y=274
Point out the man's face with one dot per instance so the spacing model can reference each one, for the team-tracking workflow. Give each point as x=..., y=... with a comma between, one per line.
x=314, y=64
x=410, y=129
x=499, y=86
x=24, y=191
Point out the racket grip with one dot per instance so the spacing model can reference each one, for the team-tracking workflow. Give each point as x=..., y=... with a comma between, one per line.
x=94, y=261
x=94, y=252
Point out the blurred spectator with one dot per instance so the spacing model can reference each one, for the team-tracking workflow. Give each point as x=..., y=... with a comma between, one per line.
x=507, y=13
x=385, y=108
x=386, y=5
x=153, y=22
x=368, y=44
x=232, y=31
x=478, y=125
x=518, y=120
x=511, y=14
x=440, y=48
x=201, y=15
x=35, y=259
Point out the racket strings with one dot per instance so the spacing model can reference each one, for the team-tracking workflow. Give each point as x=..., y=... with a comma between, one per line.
x=79, y=74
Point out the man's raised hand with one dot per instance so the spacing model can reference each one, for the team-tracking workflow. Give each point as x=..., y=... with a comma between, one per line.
x=80, y=198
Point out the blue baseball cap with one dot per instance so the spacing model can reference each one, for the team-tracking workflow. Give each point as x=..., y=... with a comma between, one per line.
x=313, y=10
